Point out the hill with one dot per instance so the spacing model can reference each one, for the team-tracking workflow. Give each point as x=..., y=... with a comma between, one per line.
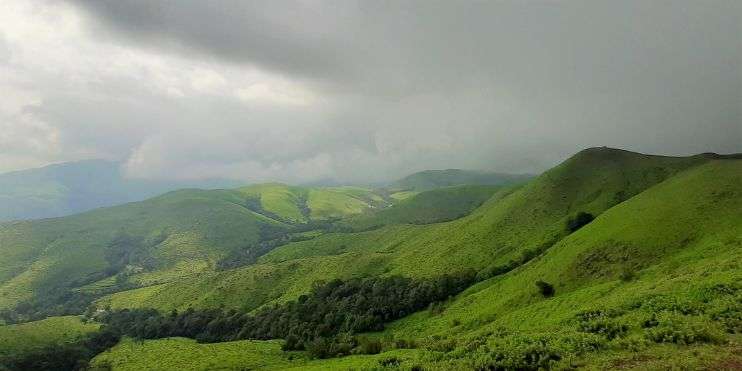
x=26, y=337
x=67, y=260
x=636, y=255
x=73, y=187
x=431, y=179
x=628, y=287
x=507, y=228
x=434, y=206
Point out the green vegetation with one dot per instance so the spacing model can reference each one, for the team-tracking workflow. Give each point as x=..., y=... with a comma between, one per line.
x=57, y=266
x=439, y=205
x=25, y=337
x=637, y=258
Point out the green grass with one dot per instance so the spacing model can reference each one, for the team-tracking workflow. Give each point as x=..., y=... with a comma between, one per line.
x=191, y=230
x=673, y=223
x=186, y=354
x=20, y=338
x=532, y=216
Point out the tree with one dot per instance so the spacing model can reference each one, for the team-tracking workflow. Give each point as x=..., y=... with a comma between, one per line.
x=546, y=289
x=578, y=221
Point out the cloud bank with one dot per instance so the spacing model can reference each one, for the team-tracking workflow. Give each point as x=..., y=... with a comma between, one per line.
x=363, y=91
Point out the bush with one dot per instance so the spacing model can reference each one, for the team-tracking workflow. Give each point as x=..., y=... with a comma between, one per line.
x=610, y=328
x=368, y=346
x=578, y=221
x=684, y=330
x=518, y=353
x=627, y=274
x=545, y=288
x=730, y=317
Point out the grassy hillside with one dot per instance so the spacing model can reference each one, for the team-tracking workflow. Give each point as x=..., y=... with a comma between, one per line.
x=658, y=267
x=160, y=240
x=300, y=205
x=433, y=206
x=653, y=282
x=431, y=179
x=506, y=227
x=33, y=335
x=73, y=187
x=186, y=354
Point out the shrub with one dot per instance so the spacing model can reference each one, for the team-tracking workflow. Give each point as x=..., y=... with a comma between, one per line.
x=518, y=353
x=389, y=362
x=684, y=330
x=545, y=288
x=368, y=346
x=578, y=221
x=627, y=274
x=730, y=317
x=610, y=328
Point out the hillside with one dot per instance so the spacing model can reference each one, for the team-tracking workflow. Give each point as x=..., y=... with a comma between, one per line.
x=508, y=227
x=629, y=286
x=431, y=179
x=160, y=240
x=73, y=187
x=650, y=280
x=434, y=206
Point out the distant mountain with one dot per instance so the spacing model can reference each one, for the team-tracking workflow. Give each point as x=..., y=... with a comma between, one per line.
x=431, y=179
x=73, y=187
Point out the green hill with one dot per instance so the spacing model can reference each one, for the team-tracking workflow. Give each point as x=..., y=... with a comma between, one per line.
x=507, y=227
x=431, y=179
x=167, y=238
x=434, y=206
x=73, y=187
x=650, y=279
x=25, y=337
x=657, y=267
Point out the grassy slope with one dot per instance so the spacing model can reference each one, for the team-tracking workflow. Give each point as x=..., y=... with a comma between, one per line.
x=23, y=337
x=186, y=354
x=534, y=215
x=433, y=206
x=298, y=204
x=191, y=230
x=197, y=226
x=675, y=260
x=702, y=244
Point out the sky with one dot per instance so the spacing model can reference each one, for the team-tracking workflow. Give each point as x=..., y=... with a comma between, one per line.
x=359, y=91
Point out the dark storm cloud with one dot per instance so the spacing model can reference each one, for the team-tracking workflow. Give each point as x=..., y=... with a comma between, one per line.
x=374, y=89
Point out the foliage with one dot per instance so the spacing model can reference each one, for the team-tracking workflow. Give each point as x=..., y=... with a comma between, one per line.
x=321, y=322
x=546, y=289
x=578, y=221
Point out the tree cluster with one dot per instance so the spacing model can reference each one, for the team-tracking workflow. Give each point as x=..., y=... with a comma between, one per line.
x=320, y=322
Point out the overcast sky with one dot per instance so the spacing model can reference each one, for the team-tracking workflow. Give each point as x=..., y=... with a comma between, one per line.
x=367, y=90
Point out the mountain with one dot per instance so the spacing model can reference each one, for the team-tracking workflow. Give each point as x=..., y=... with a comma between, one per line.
x=431, y=179
x=73, y=187
x=613, y=259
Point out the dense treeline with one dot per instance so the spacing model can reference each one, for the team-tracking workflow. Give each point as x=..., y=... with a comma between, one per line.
x=329, y=314
x=322, y=322
x=60, y=357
